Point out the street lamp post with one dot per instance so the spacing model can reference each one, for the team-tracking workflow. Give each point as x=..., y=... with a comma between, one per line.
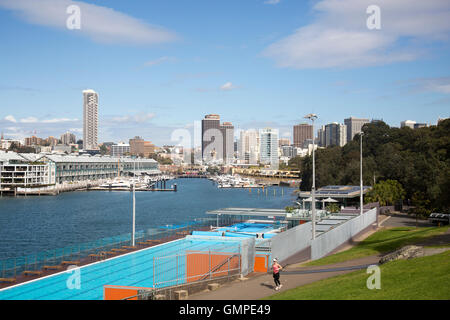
x=313, y=117
x=361, y=176
x=134, y=207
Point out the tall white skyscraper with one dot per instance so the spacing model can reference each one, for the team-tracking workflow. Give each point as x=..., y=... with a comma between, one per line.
x=90, y=120
x=268, y=147
x=248, y=146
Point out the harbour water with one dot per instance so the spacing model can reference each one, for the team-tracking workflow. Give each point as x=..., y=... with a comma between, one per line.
x=32, y=224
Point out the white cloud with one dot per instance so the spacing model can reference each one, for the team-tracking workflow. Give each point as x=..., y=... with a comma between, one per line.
x=101, y=24
x=339, y=36
x=272, y=1
x=58, y=120
x=437, y=85
x=10, y=118
x=140, y=117
x=227, y=86
x=158, y=61
x=29, y=120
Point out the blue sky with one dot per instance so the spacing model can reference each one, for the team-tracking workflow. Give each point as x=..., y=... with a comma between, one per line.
x=161, y=65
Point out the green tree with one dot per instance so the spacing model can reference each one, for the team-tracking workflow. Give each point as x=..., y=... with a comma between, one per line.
x=386, y=193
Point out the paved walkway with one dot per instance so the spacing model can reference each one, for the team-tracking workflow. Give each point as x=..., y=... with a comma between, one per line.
x=261, y=286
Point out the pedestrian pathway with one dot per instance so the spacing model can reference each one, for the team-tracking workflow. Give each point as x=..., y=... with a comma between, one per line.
x=261, y=286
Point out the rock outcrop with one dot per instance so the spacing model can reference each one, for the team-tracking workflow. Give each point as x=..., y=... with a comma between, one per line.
x=404, y=253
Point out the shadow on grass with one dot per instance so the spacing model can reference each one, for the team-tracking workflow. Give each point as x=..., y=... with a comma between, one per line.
x=392, y=243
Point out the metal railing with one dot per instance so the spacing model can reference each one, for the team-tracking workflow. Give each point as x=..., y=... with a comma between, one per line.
x=205, y=266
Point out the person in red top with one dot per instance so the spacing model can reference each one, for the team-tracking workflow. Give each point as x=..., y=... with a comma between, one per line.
x=276, y=267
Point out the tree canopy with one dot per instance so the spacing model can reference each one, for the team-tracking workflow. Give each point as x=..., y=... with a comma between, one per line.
x=418, y=159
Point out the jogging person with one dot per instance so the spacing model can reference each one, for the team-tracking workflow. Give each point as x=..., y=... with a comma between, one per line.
x=276, y=267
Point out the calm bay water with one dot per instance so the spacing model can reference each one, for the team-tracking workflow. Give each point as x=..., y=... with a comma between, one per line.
x=33, y=224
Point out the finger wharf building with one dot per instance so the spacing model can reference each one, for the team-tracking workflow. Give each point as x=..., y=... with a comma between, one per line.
x=37, y=170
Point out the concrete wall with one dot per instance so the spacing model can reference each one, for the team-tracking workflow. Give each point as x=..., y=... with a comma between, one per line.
x=333, y=238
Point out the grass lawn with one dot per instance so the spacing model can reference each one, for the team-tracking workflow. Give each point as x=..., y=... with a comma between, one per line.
x=420, y=278
x=382, y=241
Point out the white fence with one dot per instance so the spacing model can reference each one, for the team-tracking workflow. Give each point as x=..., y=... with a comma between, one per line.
x=293, y=241
x=333, y=238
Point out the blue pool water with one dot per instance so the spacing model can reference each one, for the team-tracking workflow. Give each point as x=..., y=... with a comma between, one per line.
x=248, y=228
x=133, y=269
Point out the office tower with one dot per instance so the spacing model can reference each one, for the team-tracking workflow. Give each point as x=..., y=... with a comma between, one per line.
x=141, y=148
x=68, y=138
x=407, y=123
x=284, y=142
x=33, y=141
x=210, y=133
x=321, y=137
x=302, y=132
x=248, y=146
x=51, y=141
x=335, y=134
x=268, y=147
x=354, y=126
x=227, y=130
x=90, y=120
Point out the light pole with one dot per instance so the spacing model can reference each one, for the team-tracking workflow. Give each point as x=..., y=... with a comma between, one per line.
x=313, y=117
x=360, y=175
x=134, y=206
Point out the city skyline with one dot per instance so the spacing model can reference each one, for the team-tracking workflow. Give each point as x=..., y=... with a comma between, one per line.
x=265, y=74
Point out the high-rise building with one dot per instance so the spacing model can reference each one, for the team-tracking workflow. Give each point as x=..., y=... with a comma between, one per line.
x=321, y=136
x=33, y=141
x=210, y=134
x=335, y=134
x=90, y=120
x=227, y=130
x=248, y=147
x=140, y=147
x=354, y=126
x=268, y=147
x=68, y=138
x=51, y=141
x=302, y=132
x=284, y=142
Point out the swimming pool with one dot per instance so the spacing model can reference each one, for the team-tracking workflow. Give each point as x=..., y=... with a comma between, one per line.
x=133, y=269
x=248, y=228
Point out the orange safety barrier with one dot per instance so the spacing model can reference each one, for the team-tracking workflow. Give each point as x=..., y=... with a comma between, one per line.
x=121, y=292
x=198, y=264
x=261, y=264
